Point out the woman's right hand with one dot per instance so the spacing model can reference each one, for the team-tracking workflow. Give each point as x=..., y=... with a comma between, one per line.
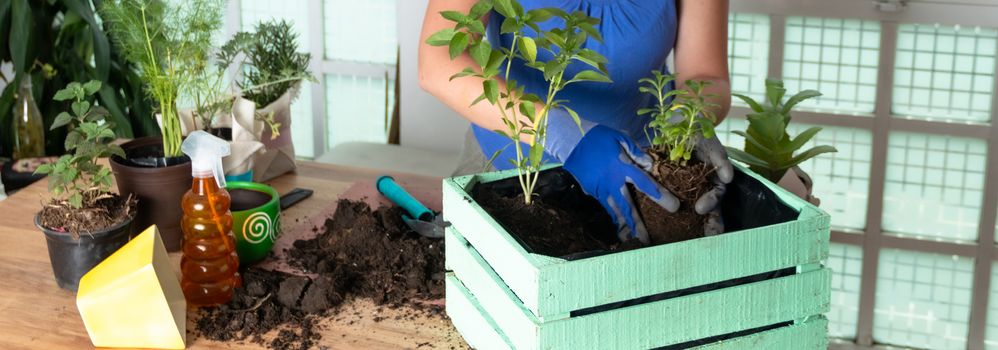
x=604, y=162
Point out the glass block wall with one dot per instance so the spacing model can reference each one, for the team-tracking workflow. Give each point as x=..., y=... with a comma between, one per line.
x=835, y=56
x=360, y=31
x=356, y=109
x=923, y=300
x=991, y=329
x=847, y=265
x=934, y=186
x=748, y=53
x=944, y=73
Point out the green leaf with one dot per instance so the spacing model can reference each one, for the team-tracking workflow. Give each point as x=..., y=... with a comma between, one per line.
x=644, y=111
x=775, y=92
x=44, y=169
x=458, y=43
x=591, y=31
x=76, y=200
x=480, y=52
x=481, y=8
x=509, y=25
x=61, y=120
x=64, y=95
x=798, y=98
x=463, y=73
x=21, y=35
x=575, y=118
x=767, y=125
x=746, y=158
x=706, y=127
x=441, y=38
x=477, y=100
x=751, y=140
x=755, y=106
x=802, y=138
x=101, y=45
x=540, y=15
x=91, y=87
x=591, y=75
x=454, y=16
x=811, y=153
x=504, y=7
x=527, y=109
x=116, y=150
x=491, y=90
x=536, y=154
x=528, y=48
x=72, y=139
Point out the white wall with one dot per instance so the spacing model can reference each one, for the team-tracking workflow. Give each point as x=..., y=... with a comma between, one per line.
x=425, y=122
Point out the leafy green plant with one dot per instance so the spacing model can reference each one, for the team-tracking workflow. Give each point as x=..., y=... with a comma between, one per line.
x=271, y=64
x=54, y=43
x=170, y=44
x=518, y=108
x=676, y=124
x=76, y=180
x=769, y=149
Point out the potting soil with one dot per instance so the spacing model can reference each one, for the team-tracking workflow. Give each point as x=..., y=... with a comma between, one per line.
x=361, y=254
x=686, y=182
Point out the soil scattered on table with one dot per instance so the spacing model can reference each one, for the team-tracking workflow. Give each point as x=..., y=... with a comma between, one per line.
x=361, y=254
x=687, y=183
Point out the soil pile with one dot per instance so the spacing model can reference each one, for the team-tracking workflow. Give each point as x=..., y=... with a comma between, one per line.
x=687, y=183
x=361, y=254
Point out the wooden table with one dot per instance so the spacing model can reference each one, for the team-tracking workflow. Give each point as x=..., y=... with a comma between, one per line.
x=37, y=314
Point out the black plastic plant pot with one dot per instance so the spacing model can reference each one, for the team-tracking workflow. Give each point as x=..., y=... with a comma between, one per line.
x=72, y=258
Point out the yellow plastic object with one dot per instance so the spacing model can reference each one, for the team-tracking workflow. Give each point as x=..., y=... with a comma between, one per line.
x=133, y=298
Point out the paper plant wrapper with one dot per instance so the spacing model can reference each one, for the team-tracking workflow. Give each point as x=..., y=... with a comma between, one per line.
x=278, y=157
x=799, y=183
x=246, y=133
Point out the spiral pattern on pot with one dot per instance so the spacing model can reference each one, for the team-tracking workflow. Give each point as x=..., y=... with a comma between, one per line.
x=257, y=227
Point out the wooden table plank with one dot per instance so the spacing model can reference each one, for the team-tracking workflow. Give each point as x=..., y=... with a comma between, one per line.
x=37, y=314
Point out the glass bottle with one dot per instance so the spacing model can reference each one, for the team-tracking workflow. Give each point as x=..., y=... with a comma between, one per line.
x=29, y=128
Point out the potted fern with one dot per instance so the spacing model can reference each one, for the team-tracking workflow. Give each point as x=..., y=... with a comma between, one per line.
x=272, y=69
x=167, y=41
x=769, y=150
x=84, y=222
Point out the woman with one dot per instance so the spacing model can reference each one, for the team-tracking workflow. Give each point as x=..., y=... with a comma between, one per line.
x=638, y=36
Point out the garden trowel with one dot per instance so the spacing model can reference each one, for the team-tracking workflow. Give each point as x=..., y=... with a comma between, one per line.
x=418, y=217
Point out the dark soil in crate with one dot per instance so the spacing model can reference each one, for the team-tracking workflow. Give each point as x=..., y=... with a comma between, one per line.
x=361, y=254
x=687, y=183
x=569, y=224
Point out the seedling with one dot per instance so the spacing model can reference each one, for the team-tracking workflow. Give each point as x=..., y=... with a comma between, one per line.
x=76, y=180
x=519, y=109
x=769, y=150
x=675, y=124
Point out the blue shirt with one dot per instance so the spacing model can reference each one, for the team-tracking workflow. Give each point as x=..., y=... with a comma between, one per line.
x=638, y=35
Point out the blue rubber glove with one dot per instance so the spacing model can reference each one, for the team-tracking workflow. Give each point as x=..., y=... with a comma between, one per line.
x=603, y=162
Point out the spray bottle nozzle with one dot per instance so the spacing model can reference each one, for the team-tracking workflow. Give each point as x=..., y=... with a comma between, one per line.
x=206, y=152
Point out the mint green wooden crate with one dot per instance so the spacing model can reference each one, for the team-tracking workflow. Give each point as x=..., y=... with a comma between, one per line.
x=526, y=299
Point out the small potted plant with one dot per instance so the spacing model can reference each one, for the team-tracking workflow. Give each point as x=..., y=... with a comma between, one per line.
x=169, y=43
x=675, y=129
x=769, y=150
x=83, y=222
x=508, y=286
x=272, y=70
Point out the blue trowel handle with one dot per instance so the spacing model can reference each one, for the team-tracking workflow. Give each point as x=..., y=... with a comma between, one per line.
x=395, y=193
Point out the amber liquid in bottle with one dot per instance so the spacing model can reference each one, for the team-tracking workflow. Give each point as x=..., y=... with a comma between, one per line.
x=210, y=266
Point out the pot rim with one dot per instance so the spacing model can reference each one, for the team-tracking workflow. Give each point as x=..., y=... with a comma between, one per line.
x=115, y=160
x=275, y=197
x=95, y=234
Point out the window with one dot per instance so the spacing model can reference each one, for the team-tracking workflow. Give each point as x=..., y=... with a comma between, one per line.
x=908, y=103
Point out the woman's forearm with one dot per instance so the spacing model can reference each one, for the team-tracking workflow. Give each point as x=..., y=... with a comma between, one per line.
x=436, y=67
x=719, y=91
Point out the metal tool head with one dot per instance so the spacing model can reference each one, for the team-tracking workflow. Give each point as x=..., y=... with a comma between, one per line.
x=431, y=229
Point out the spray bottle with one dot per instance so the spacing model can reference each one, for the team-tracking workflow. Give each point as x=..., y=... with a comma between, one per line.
x=210, y=266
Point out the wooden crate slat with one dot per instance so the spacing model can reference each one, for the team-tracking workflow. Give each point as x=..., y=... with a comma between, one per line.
x=470, y=320
x=721, y=311
x=810, y=335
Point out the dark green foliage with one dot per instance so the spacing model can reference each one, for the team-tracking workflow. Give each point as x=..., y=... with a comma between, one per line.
x=272, y=62
x=676, y=125
x=56, y=42
x=769, y=150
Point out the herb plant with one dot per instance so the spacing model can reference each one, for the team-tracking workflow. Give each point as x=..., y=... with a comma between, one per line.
x=676, y=124
x=769, y=149
x=170, y=44
x=517, y=107
x=271, y=64
x=76, y=180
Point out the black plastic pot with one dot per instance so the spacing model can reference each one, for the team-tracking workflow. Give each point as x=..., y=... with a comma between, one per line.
x=158, y=183
x=72, y=258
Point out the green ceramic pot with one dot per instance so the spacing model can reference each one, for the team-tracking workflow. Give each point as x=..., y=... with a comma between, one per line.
x=256, y=223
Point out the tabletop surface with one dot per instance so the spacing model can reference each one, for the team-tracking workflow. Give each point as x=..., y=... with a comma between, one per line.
x=37, y=314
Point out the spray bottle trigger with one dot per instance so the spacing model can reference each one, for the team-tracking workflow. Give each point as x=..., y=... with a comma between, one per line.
x=219, y=173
